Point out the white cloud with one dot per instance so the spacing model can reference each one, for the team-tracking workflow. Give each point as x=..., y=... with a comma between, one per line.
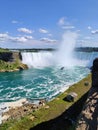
x=50, y=35
x=87, y=38
x=61, y=21
x=78, y=30
x=89, y=27
x=26, y=39
x=94, y=31
x=14, y=21
x=43, y=30
x=10, y=41
x=21, y=39
x=68, y=27
x=47, y=40
x=18, y=39
x=4, y=37
x=29, y=37
x=65, y=24
x=25, y=30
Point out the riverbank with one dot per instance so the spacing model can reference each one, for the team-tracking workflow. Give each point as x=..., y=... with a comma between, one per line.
x=53, y=115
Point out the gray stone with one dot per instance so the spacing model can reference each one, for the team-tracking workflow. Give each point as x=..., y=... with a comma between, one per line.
x=71, y=96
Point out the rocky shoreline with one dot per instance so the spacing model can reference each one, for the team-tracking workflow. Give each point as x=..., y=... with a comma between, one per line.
x=20, y=108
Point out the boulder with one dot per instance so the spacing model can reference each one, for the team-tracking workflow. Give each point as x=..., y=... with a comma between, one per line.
x=71, y=96
x=86, y=83
x=22, y=66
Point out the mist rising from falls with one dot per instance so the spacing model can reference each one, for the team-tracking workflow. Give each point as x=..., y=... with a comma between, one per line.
x=64, y=56
x=66, y=48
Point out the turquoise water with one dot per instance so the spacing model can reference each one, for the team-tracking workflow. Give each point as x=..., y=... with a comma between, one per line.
x=45, y=82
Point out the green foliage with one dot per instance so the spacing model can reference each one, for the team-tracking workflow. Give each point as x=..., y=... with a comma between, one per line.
x=4, y=50
x=8, y=66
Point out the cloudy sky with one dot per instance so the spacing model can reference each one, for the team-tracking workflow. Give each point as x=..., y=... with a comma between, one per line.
x=41, y=23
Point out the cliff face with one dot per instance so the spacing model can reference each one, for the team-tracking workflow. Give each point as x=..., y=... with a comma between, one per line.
x=10, y=56
x=88, y=119
x=11, y=61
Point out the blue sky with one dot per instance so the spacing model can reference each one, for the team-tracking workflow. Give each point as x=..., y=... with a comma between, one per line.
x=41, y=23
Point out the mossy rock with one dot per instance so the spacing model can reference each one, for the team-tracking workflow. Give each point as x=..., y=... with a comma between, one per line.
x=22, y=66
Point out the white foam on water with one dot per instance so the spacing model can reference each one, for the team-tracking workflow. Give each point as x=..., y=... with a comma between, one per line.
x=3, y=108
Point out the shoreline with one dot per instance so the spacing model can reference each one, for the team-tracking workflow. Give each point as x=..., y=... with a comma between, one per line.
x=18, y=105
x=6, y=106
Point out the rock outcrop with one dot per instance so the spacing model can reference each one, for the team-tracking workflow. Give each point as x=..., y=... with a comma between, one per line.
x=11, y=61
x=22, y=107
x=10, y=56
x=88, y=119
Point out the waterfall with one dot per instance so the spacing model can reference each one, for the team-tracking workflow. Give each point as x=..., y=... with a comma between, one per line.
x=92, y=57
x=65, y=56
x=37, y=59
x=46, y=58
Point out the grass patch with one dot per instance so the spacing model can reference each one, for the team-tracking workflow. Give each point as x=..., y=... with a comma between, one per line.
x=55, y=110
x=4, y=50
x=7, y=66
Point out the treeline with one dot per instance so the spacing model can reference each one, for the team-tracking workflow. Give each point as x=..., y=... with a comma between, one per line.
x=33, y=49
x=87, y=49
x=83, y=49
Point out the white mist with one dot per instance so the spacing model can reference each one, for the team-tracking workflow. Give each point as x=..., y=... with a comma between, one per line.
x=66, y=48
